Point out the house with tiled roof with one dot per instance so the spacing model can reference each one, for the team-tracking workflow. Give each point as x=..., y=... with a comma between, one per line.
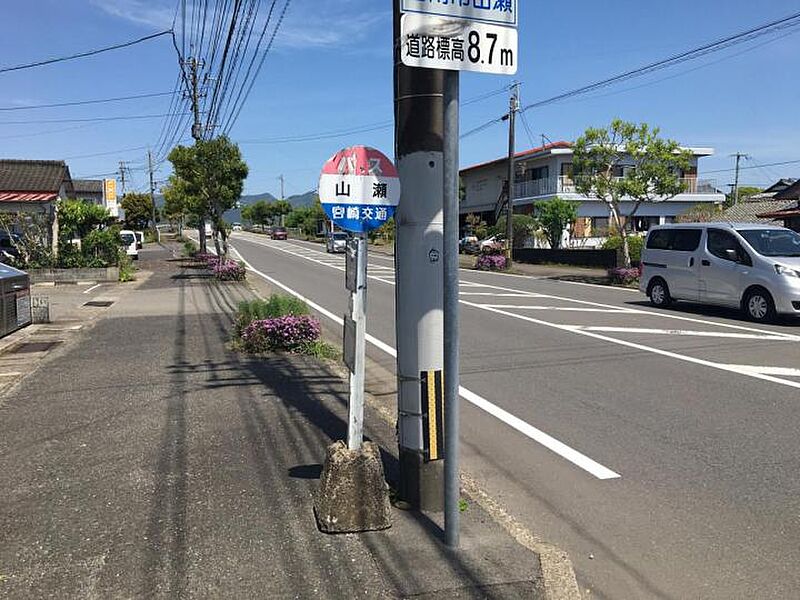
x=35, y=187
x=545, y=172
x=778, y=204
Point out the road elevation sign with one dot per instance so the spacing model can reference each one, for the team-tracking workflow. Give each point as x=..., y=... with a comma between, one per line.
x=359, y=189
x=458, y=45
x=501, y=12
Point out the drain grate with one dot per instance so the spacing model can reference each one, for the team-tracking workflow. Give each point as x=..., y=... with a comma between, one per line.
x=31, y=347
x=100, y=303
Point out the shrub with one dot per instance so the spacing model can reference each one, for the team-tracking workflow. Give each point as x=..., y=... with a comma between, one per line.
x=189, y=248
x=228, y=270
x=290, y=333
x=127, y=272
x=491, y=262
x=275, y=306
x=624, y=276
x=635, y=244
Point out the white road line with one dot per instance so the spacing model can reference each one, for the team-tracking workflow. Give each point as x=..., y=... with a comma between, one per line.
x=561, y=308
x=94, y=287
x=580, y=460
x=792, y=337
x=682, y=332
x=642, y=347
x=780, y=371
x=673, y=355
x=496, y=295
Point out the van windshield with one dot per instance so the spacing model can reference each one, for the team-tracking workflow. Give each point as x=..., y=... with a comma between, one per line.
x=340, y=236
x=773, y=242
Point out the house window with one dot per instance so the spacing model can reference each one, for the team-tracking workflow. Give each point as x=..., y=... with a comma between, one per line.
x=599, y=226
x=538, y=173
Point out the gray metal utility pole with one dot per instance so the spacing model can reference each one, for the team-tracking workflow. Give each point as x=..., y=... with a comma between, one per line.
x=512, y=150
x=419, y=133
x=122, y=176
x=152, y=194
x=739, y=156
x=452, y=400
x=197, y=134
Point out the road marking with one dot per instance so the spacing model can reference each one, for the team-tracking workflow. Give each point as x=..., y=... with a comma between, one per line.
x=578, y=459
x=562, y=308
x=496, y=295
x=94, y=287
x=682, y=332
x=596, y=335
x=779, y=371
x=698, y=361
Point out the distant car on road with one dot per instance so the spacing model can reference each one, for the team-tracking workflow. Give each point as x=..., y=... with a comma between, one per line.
x=237, y=227
x=468, y=244
x=129, y=243
x=336, y=242
x=279, y=233
x=139, y=239
x=749, y=266
x=493, y=244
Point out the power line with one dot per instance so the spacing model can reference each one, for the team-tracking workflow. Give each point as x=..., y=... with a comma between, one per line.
x=775, y=164
x=89, y=120
x=750, y=34
x=85, y=102
x=51, y=61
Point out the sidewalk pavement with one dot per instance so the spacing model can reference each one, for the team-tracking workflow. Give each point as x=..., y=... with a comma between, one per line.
x=151, y=461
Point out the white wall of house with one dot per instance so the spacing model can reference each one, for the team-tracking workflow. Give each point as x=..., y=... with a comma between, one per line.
x=544, y=176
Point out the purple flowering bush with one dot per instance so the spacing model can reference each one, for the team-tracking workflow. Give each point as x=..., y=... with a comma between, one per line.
x=624, y=276
x=491, y=262
x=228, y=270
x=290, y=333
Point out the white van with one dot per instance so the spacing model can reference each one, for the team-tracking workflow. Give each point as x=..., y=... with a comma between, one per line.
x=129, y=243
x=753, y=267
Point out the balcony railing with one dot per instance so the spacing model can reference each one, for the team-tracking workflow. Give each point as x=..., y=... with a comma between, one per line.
x=566, y=185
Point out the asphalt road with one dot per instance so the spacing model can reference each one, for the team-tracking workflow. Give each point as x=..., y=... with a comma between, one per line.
x=658, y=447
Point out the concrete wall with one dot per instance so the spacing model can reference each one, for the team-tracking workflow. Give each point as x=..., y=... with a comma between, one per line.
x=110, y=274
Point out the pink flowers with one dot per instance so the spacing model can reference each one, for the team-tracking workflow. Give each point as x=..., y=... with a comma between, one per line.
x=491, y=262
x=624, y=276
x=228, y=270
x=290, y=333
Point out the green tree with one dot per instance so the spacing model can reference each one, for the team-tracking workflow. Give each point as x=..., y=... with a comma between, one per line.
x=214, y=174
x=307, y=218
x=745, y=192
x=524, y=227
x=554, y=216
x=178, y=204
x=76, y=218
x=138, y=210
x=626, y=162
x=281, y=208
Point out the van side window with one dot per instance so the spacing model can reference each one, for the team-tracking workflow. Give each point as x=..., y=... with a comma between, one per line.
x=686, y=240
x=725, y=246
x=660, y=239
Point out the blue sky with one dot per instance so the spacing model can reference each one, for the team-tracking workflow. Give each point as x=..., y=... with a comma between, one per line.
x=331, y=70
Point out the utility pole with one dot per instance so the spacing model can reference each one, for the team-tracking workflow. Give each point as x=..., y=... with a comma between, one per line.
x=739, y=156
x=122, y=176
x=282, y=198
x=197, y=134
x=512, y=150
x=152, y=194
x=419, y=149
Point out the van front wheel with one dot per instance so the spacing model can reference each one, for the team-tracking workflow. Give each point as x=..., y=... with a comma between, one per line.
x=759, y=306
x=659, y=293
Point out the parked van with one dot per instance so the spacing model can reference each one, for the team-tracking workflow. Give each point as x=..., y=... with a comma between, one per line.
x=129, y=243
x=753, y=267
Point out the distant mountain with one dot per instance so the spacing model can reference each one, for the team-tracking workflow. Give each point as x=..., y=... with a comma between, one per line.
x=301, y=200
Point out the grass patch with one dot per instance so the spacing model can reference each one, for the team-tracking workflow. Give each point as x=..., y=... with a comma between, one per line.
x=277, y=305
x=321, y=350
x=127, y=272
x=462, y=505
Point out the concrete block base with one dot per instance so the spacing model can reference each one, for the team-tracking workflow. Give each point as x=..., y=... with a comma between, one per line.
x=353, y=495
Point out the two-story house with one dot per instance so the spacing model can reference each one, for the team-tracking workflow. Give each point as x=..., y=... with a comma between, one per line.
x=543, y=173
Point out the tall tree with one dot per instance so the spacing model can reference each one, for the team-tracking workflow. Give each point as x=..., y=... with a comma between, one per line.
x=178, y=204
x=214, y=173
x=138, y=210
x=628, y=164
